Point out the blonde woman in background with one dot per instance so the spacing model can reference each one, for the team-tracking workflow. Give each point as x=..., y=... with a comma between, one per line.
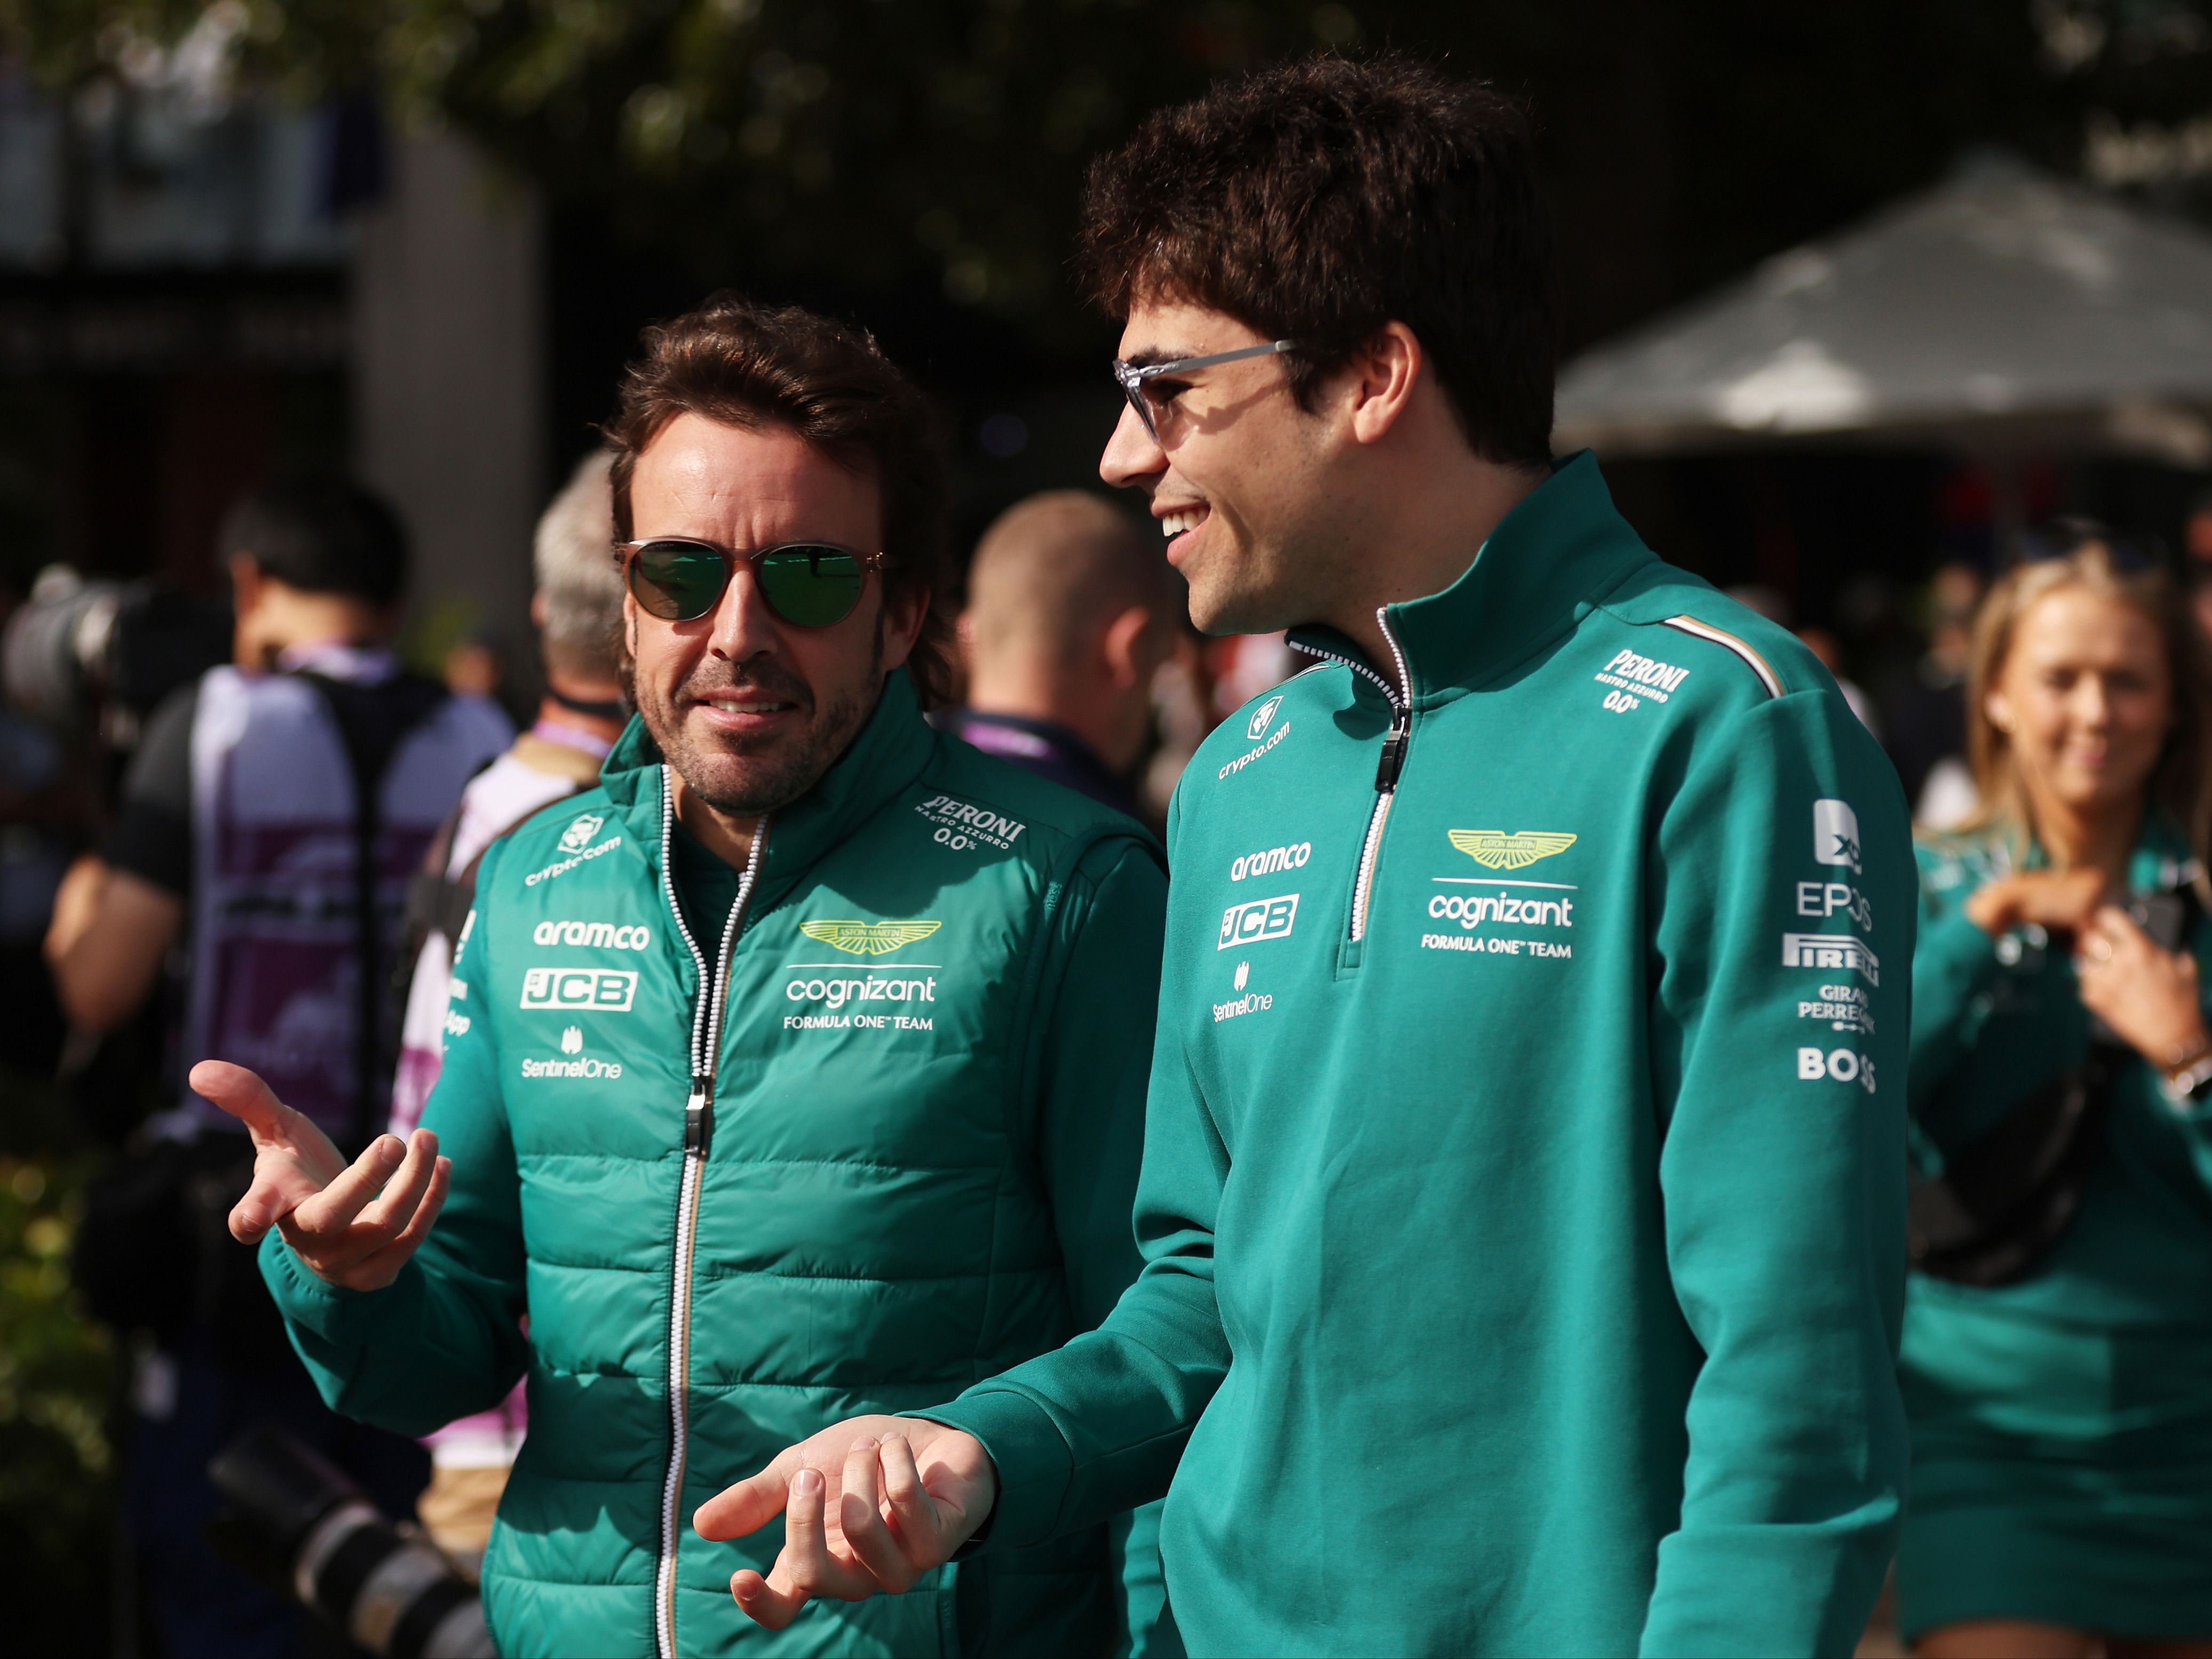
x=2057, y=1353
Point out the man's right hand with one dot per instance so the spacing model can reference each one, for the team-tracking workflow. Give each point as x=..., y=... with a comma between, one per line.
x=869, y=1506
x=353, y=1224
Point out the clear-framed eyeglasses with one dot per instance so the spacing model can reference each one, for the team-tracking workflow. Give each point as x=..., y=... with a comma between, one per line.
x=1133, y=378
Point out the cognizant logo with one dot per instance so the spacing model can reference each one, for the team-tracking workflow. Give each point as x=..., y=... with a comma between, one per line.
x=1471, y=910
x=835, y=993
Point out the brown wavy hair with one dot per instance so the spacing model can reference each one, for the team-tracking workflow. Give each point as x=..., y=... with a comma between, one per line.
x=2181, y=781
x=1318, y=200
x=750, y=365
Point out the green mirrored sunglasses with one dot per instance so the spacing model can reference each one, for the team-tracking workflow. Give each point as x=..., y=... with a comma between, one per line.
x=812, y=584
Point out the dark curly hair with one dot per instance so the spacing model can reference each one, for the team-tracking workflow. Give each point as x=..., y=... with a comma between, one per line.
x=1320, y=200
x=752, y=365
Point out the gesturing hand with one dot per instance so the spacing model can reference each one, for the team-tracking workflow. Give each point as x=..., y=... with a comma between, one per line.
x=355, y=1224
x=2150, y=996
x=2061, y=900
x=869, y=1505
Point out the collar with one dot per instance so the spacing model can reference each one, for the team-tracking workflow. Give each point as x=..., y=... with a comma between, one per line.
x=890, y=751
x=1020, y=734
x=339, y=659
x=1563, y=547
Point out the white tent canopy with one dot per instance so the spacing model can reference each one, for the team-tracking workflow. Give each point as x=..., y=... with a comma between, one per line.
x=2001, y=309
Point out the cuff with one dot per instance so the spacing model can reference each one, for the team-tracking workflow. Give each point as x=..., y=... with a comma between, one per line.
x=1952, y=959
x=1035, y=1465
x=312, y=1304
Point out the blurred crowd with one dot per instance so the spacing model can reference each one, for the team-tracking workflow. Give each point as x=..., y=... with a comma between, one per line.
x=1075, y=660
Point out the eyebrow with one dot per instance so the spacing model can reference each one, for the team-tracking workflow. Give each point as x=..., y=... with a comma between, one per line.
x=1148, y=357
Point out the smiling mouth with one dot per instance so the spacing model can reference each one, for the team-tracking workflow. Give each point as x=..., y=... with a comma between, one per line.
x=1173, y=525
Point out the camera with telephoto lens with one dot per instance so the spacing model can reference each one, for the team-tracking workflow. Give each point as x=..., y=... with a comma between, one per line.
x=299, y=1526
x=79, y=650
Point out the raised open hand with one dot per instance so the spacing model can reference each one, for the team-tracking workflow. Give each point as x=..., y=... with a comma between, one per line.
x=353, y=1224
x=869, y=1505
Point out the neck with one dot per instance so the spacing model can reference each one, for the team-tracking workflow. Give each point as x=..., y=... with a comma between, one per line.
x=2087, y=838
x=728, y=837
x=556, y=712
x=280, y=624
x=1432, y=514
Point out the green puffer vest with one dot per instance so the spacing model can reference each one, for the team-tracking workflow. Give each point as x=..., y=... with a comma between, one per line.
x=908, y=1166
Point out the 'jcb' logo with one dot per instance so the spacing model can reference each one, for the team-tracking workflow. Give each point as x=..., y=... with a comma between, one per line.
x=603, y=990
x=1248, y=924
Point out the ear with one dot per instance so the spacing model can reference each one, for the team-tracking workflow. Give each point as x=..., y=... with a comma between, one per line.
x=537, y=609
x=900, y=624
x=1123, y=647
x=245, y=582
x=1996, y=707
x=1382, y=376
x=964, y=633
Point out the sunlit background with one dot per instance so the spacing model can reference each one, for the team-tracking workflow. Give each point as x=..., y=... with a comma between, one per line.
x=1862, y=295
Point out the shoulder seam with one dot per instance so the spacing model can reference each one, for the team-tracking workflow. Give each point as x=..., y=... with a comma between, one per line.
x=1720, y=637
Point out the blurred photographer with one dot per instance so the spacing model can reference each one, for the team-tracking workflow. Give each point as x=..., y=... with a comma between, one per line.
x=270, y=822
x=2057, y=1352
x=578, y=610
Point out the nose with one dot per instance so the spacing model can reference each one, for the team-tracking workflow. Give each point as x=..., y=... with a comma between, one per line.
x=744, y=628
x=2093, y=702
x=1133, y=454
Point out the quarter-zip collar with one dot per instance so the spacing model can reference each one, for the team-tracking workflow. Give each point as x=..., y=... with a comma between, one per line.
x=1564, y=545
x=889, y=752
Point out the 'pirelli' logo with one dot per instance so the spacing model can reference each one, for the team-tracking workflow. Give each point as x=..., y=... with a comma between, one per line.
x=604, y=990
x=1832, y=951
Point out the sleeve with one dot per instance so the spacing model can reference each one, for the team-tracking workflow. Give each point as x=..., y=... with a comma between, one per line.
x=1954, y=965
x=444, y=1340
x=1097, y=1426
x=1783, y=919
x=1096, y=1045
x=1097, y=1039
x=152, y=835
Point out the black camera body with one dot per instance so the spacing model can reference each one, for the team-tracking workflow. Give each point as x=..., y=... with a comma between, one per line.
x=77, y=650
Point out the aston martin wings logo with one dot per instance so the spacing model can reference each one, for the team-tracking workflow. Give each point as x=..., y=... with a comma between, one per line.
x=1493, y=849
x=868, y=938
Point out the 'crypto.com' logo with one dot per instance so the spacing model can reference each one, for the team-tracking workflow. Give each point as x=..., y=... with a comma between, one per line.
x=1256, y=727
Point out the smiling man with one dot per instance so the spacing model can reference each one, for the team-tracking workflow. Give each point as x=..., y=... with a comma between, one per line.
x=796, y=1070
x=1523, y=1189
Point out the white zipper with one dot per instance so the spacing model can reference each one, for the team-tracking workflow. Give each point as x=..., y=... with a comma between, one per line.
x=1392, y=764
x=698, y=1125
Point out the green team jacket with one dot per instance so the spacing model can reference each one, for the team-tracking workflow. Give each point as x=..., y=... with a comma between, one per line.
x=1994, y=1021
x=895, y=1155
x=1524, y=1194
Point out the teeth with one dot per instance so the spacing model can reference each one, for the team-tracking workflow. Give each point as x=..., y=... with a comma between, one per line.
x=1175, y=523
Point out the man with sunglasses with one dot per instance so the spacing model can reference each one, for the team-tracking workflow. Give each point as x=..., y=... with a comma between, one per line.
x=797, y=1069
x=1523, y=1189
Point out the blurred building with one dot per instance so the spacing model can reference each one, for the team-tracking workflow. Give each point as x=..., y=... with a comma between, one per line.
x=200, y=287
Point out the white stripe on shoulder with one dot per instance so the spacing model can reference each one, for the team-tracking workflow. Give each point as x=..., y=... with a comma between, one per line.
x=1720, y=637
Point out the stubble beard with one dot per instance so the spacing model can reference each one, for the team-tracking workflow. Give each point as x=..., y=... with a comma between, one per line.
x=748, y=779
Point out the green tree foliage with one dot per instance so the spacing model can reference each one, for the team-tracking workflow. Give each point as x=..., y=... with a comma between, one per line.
x=872, y=142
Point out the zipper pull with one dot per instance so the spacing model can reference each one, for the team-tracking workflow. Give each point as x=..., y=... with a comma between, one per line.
x=1394, y=753
x=699, y=1115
